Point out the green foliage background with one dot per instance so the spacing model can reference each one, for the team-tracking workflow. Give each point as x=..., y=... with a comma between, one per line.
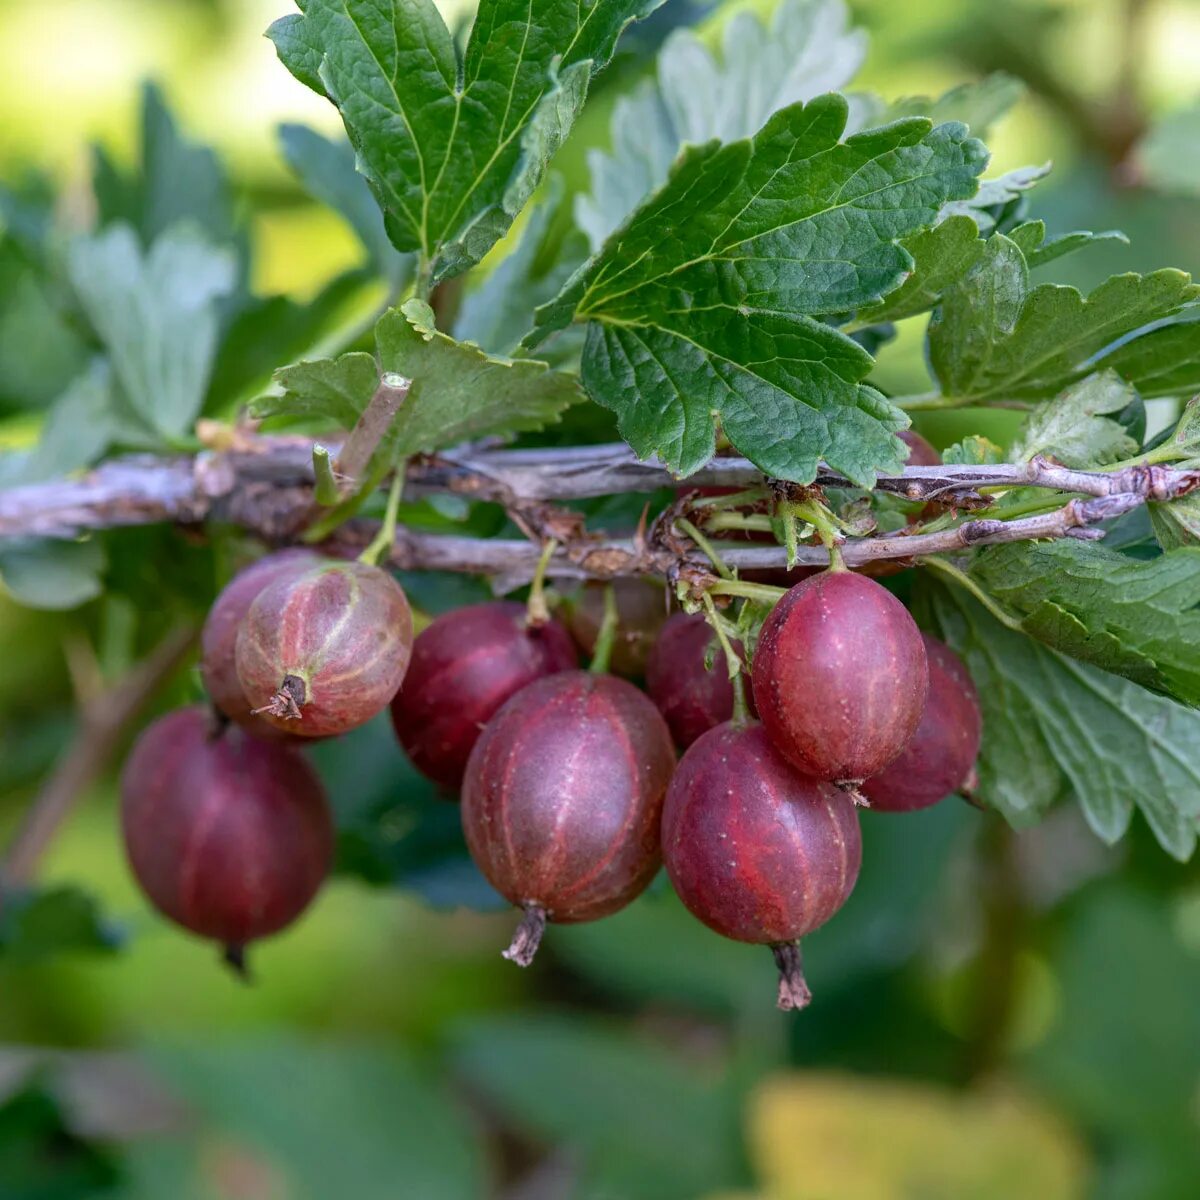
x=386, y=1050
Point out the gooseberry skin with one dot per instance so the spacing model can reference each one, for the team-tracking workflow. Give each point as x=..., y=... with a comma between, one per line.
x=464, y=666
x=228, y=836
x=691, y=697
x=322, y=652
x=754, y=849
x=920, y=451
x=840, y=677
x=562, y=799
x=218, y=640
x=642, y=612
x=941, y=756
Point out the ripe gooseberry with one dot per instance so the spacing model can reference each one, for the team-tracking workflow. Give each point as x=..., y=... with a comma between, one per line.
x=757, y=851
x=562, y=800
x=840, y=677
x=464, y=666
x=692, y=697
x=323, y=651
x=641, y=613
x=218, y=639
x=940, y=758
x=228, y=836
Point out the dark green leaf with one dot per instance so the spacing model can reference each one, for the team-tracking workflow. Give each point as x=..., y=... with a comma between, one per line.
x=941, y=256
x=40, y=924
x=1055, y=726
x=458, y=391
x=804, y=51
x=157, y=316
x=1135, y=617
x=1165, y=361
x=995, y=338
x=1079, y=426
x=702, y=305
x=53, y=575
x=453, y=149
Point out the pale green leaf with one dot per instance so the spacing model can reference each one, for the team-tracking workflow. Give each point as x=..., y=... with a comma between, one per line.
x=1030, y=237
x=156, y=314
x=1078, y=426
x=51, y=574
x=806, y=49
x=974, y=451
x=452, y=147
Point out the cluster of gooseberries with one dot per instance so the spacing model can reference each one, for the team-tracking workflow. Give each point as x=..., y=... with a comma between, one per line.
x=571, y=794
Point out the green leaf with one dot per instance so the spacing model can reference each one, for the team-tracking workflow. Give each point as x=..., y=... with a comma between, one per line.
x=1055, y=726
x=40, y=352
x=652, y=1125
x=458, y=392
x=1169, y=155
x=1030, y=237
x=1165, y=361
x=328, y=172
x=51, y=574
x=988, y=204
x=179, y=181
x=804, y=51
x=40, y=924
x=702, y=305
x=941, y=257
x=323, y=1116
x=453, y=149
x=995, y=338
x=1178, y=523
x=1077, y=427
x=1134, y=617
x=157, y=316
x=977, y=105
x=495, y=315
x=974, y=451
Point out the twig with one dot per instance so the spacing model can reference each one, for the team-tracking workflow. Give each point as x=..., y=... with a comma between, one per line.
x=103, y=719
x=371, y=428
x=268, y=492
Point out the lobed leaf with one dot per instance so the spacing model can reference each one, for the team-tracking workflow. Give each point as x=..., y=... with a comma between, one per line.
x=806, y=49
x=1078, y=427
x=1053, y=726
x=997, y=339
x=702, y=306
x=458, y=391
x=453, y=148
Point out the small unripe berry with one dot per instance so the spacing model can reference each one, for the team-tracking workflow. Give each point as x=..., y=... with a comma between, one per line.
x=641, y=613
x=562, y=800
x=692, y=697
x=755, y=850
x=465, y=665
x=218, y=641
x=322, y=652
x=940, y=758
x=228, y=836
x=840, y=677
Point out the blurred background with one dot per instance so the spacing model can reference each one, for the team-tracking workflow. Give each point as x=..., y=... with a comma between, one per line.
x=996, y=1014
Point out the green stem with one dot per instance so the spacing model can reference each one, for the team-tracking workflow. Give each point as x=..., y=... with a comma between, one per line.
x=537, y=612
x=721, y=521
x=706, y=546
x=965, y=582
x=764, y=593
x=734, y=500
x=327, y=493
x=381, y=546
x=733, y=662
x=607, y=634
x=320, y=529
